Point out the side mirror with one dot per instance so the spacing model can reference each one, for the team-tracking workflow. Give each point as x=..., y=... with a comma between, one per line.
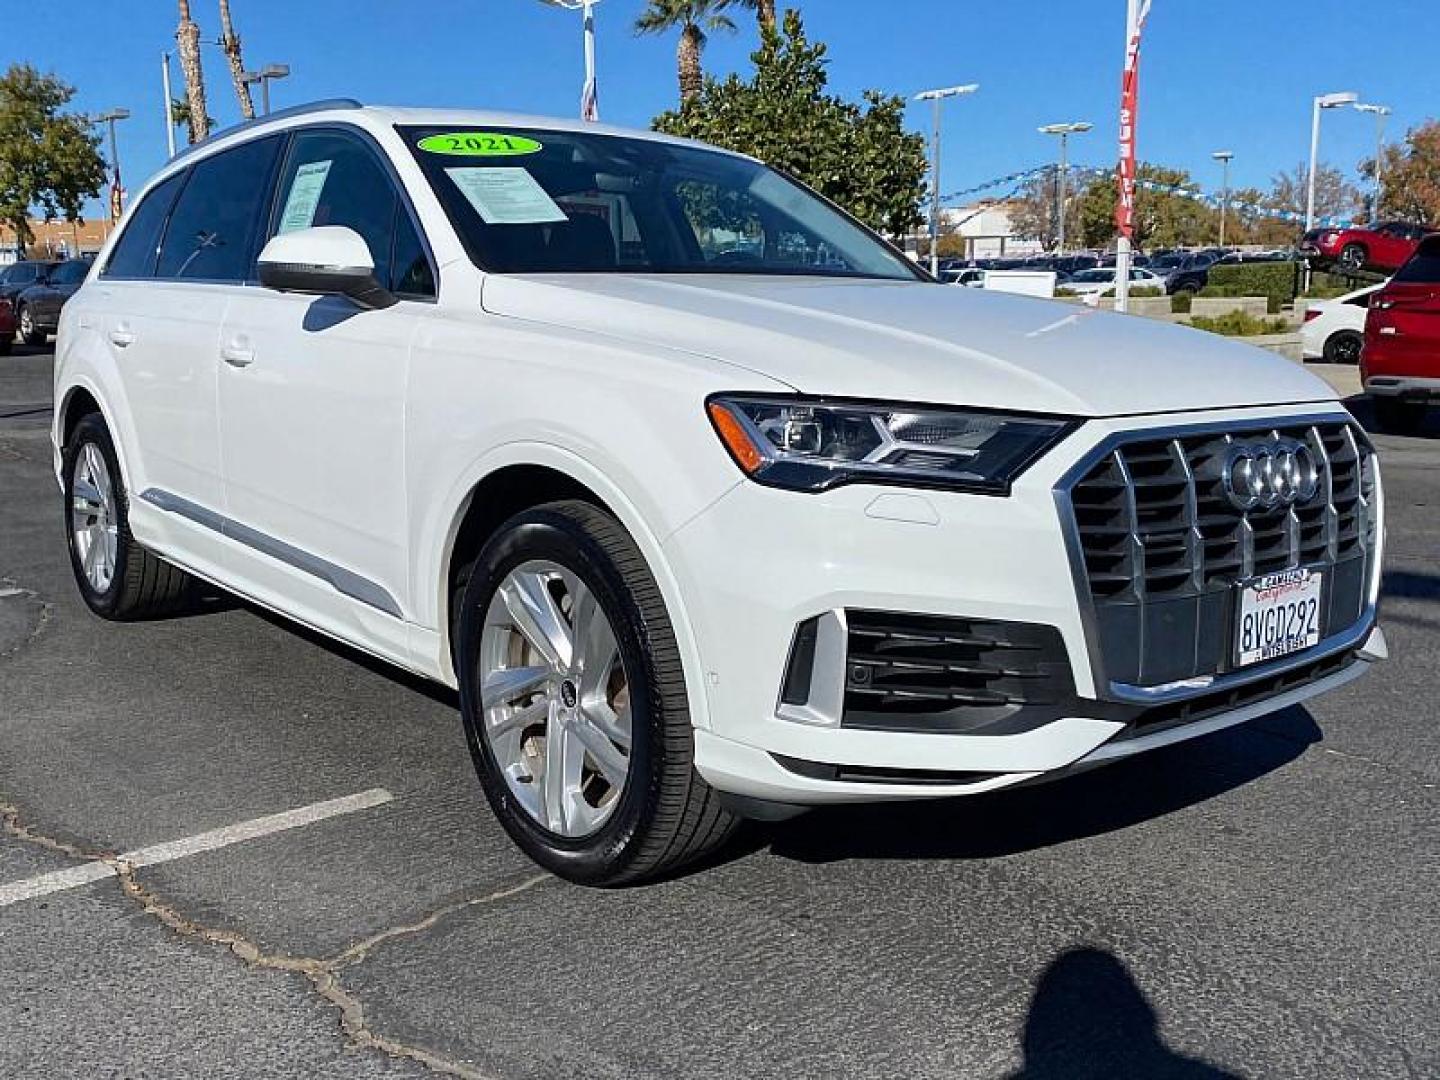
x=327, y=260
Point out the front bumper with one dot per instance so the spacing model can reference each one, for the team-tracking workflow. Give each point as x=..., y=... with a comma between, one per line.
x=760, y=562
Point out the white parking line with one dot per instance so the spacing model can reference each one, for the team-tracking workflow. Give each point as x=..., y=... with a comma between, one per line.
x=75, y=876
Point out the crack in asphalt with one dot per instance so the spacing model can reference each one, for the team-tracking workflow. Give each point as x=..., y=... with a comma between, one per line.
x=10, y=588
x=322, y=975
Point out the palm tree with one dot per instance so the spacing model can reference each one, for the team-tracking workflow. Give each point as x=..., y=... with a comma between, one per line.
x=187, y=39
x=230, y=42
x=694, y=17
x=764, y=13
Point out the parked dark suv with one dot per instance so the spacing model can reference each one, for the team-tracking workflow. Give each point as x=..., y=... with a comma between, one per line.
x=37, y=309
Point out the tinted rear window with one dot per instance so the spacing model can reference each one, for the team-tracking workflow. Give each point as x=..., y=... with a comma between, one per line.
x=1424, y=266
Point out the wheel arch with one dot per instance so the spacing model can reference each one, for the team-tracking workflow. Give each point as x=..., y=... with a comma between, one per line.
x=81, y=399
x=517, y=477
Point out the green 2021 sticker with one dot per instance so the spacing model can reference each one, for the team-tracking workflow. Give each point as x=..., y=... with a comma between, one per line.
x=479, y=144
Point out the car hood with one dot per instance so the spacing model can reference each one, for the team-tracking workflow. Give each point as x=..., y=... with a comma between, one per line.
x=916, y=342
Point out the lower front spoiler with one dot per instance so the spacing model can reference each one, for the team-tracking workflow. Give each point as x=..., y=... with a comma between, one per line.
x=758, y=776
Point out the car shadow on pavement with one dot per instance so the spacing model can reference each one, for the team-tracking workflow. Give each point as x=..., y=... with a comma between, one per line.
x=1088, y=1018
x=1099, y=801
x=1362, y=408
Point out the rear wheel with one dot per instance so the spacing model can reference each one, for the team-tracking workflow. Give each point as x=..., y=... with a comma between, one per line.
x=1399, y=417
x=31, y=333
x=6, y=344
x=1343, y=347
x=574, y=702
x=118, y=578
x=1353, y=258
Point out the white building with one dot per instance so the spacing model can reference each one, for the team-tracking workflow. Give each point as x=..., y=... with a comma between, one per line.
x=987, y=230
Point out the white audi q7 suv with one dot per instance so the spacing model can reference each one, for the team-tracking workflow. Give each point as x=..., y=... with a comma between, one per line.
x=708, y=502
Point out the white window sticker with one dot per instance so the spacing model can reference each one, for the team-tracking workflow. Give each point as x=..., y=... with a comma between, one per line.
x=506, y=196
x=304, y=196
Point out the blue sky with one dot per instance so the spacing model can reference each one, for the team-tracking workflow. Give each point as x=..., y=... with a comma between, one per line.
x=1234, y=74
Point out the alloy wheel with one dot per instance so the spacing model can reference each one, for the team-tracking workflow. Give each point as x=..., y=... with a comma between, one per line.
x=555, y=698
x=94, y=524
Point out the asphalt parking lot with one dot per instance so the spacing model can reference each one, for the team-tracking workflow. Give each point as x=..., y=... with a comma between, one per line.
x=1260, y=902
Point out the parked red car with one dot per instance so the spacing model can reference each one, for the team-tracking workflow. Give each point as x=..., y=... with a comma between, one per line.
x=7, y=327
x=1370, y=247
x=1400, y=363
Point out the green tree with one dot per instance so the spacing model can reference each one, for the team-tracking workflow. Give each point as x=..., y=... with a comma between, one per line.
x=695, y=18
x=1162, y=218
x=858, y=155
x=49, y=159
x=1411, y=176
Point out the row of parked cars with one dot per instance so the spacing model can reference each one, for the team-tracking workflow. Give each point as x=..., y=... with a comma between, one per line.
x=1171, y=270
x=32, y=292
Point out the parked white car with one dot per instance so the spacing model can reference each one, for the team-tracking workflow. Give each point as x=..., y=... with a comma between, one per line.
x=1334, y=330
x=698, y=528
x=1100, y=281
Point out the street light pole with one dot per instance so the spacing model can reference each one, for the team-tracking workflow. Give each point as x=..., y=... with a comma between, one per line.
x=589, y=94
x=1380, y=112
x=936, y=97
x=1324, y=101
x=169, y=103
x=1224, y=157
x=269, y=73
x=109, y=118
x=1062, y=178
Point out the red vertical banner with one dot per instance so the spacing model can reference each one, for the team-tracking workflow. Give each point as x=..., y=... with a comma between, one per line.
x=1129, y=111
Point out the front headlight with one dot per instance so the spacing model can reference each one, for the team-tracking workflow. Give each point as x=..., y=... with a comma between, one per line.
x=814, y=445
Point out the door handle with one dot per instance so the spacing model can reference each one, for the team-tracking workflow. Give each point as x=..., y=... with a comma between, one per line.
x=237, y=355
x=121, y=336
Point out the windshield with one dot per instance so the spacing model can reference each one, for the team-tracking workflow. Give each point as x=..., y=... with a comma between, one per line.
x=1087, y=276
x=534, y=201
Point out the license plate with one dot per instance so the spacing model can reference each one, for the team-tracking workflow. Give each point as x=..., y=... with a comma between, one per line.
x=1279, y=614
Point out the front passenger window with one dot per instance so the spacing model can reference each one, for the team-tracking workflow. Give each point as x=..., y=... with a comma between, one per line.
x=334, y=178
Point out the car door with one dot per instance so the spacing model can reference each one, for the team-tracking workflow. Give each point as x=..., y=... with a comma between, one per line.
x=312, y=404
x=61, y=285
x=161, y=300
x=1405, y=315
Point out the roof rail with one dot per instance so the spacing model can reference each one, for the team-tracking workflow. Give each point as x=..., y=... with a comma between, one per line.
x=325, y=105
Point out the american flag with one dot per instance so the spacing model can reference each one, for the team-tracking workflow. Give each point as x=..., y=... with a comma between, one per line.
x=589, y=103
x=117, y=197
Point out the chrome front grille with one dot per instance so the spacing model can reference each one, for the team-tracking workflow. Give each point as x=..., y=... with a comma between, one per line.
x=1162, y=546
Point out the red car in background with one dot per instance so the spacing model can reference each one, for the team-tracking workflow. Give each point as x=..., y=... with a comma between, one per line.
x=1368, y=247
x=1400, y=363
x=7, y=327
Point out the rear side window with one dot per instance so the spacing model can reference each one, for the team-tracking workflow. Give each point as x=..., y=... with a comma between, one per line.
x=335, y=178
x=135, y=251
x=1424, y=266
x=216, y=220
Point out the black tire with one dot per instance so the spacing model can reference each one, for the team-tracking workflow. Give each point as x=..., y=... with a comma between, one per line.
x=1399, y=417
x=1343, y=347
x=143, y=585
x=666, y=815
x=6, y=345
x=33, y=336
x=1352, y=258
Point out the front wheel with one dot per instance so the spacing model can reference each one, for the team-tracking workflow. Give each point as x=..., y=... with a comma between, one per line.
x=1353, y=258
x=574, y=702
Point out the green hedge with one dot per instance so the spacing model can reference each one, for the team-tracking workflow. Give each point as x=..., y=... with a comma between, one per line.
x=1278, y=282
x=1239, y=324
x=1180, y=303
